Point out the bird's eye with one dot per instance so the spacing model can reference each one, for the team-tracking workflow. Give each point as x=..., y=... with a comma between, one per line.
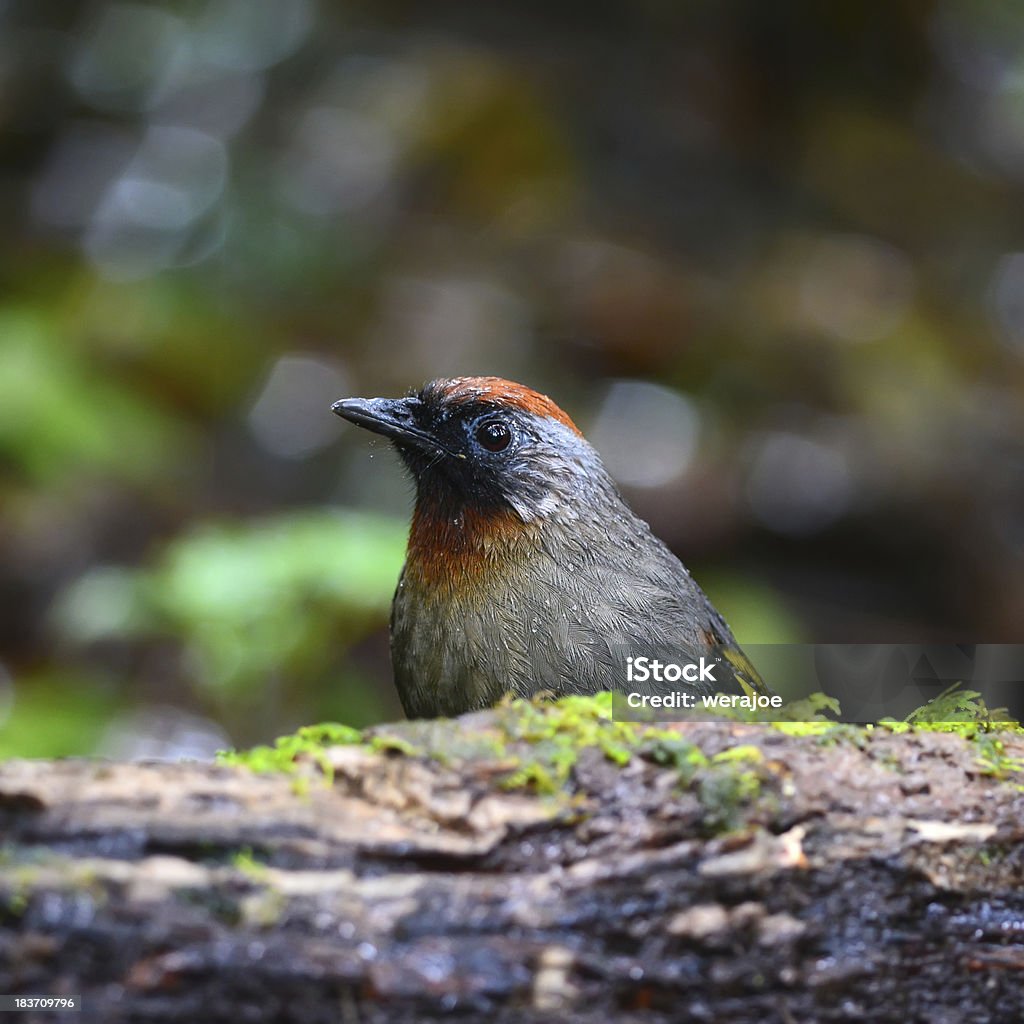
x=494, y=435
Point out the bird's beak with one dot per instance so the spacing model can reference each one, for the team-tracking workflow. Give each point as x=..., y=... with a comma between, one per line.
x=392, y=417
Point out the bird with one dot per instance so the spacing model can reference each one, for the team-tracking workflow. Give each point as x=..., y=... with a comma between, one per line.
x=525, y=570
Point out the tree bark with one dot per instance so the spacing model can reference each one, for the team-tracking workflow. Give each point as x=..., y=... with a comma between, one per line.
x=857, y=876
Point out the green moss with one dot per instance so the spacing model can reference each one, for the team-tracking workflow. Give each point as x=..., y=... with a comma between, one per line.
x=812, y=710
x=554, y=733
x=14, y=903
x=534, y=775
x=538, y=742
x=956, y=706
x=388, y=743
x=725, y=784
x=246, y=862
x=993, y=759
x=18, y=885
x=743, y=752
x=965, y=714
x=673, y=750
x=724, y=794
x=895, y=725
x=284, y=756
x=815, y=729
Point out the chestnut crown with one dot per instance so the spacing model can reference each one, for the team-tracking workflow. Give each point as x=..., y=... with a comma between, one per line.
x=486, y=442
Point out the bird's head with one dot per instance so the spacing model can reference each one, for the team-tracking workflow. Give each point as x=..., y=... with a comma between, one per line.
x=486, y=445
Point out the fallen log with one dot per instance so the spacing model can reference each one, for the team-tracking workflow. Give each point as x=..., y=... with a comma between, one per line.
x=523, y=865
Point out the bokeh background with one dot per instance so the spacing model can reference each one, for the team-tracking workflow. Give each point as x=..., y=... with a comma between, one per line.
x=769, y=256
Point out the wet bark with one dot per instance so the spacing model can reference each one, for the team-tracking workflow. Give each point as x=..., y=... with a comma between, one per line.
x=866, y=877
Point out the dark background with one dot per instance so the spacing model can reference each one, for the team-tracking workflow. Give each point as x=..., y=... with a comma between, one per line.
x=769, y=256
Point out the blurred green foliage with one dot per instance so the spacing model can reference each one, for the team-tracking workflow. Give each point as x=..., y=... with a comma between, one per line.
x=755, y=612
x=57, y=714
x=61, y=417
x=272, y=604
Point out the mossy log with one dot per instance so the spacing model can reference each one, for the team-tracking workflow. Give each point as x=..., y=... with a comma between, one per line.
x=481, y=870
